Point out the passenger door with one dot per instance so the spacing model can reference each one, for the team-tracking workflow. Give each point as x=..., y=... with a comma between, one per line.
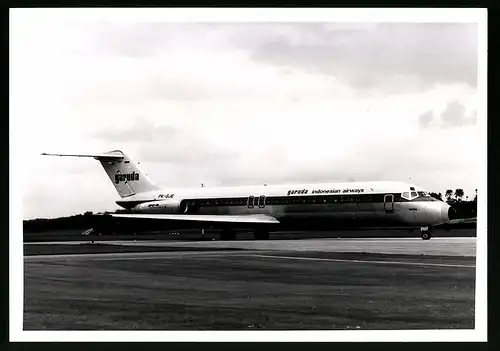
x=250, y=201
x=389, y=203
x=262, y=201
x=256, y=201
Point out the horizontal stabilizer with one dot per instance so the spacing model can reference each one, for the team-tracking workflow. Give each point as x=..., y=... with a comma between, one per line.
x=96, y=156
x=263, y=219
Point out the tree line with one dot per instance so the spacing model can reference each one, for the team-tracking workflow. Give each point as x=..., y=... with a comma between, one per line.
x=463, y=209
x=452, y=196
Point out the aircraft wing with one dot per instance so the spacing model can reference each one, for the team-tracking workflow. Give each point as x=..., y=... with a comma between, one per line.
x=257, y=219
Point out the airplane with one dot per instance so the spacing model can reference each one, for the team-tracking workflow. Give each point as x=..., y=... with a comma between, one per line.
x=265, y=208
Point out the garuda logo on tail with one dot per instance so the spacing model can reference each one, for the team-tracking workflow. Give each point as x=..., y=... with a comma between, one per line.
x=120, y=177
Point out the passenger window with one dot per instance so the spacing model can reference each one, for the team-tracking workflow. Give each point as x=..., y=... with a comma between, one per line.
x=414, y=194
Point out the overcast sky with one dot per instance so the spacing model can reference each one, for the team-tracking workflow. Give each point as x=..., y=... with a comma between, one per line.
x=240, y=103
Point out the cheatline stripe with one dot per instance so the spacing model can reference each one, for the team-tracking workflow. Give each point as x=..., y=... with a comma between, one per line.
x=366, y=261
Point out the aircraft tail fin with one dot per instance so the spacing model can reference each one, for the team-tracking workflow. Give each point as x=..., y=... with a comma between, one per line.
x=123, y=172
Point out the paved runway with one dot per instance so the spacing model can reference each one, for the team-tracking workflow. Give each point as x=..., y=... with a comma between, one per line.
x=415, y=246
x=405, y=260
x=248, y=290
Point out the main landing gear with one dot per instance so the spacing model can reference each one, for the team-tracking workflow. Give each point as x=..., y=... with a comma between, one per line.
x=425, y=233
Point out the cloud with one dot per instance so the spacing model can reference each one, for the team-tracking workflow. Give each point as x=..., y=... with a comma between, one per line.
x=167, y=144
x=391, y=57
x=425, y=119
x=190, y=61
x=141, y=131
x=132, y=40
x=147, y=39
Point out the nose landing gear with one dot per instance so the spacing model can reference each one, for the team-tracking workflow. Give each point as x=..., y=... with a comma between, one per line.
x=425, y=233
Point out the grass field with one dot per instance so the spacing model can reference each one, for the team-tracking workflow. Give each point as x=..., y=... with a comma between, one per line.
x=241, y=292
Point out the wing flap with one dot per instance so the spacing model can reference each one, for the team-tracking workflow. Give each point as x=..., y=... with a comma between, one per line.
x=257, y=219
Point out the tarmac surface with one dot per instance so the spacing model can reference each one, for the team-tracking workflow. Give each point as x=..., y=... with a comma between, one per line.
x=319, y=284
x=415, y=246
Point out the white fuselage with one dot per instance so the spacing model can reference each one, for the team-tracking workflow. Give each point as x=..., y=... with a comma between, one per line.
x=327, y=204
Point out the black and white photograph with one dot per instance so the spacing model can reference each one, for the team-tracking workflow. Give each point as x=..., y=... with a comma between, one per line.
x=274, y=174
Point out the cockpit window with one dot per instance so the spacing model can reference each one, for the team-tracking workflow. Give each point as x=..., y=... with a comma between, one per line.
x=413, y=194
x=410, y=195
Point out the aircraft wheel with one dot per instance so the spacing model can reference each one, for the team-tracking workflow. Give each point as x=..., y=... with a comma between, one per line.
x=425, y=235
x=261, y=235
